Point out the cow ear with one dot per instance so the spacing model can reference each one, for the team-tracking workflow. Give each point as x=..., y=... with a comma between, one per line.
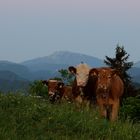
x=116, y=72
x=93, y=72
x=72, y=69
x=47, y=82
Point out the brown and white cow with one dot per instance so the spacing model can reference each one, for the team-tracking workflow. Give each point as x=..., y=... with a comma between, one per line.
x=58, y=91
x=109, y=89
x=82, y=89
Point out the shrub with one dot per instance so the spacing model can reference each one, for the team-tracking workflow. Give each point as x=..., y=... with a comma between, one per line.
x=37, y=88
x=131, y=108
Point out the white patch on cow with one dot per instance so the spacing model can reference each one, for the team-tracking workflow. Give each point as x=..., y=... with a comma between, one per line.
x=82, y=71
x=51, y=93
x=52, y=80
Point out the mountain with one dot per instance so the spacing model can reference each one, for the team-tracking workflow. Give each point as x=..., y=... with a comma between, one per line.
x=135, y=74
x=62, y=59
x=17, y=69
x=48, y=66
x=13, y=86
x=9, y=81
x=137, y=64
x=14, y=76
x=11, y=76
x=134, y=71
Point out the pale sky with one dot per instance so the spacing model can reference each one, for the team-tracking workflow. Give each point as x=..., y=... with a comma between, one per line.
x=37, y=28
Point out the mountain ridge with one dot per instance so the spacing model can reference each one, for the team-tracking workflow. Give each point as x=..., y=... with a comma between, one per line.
x=48, y=66
x=16, y=76
x=60, y=54
x=63, y=59
x=137, y=64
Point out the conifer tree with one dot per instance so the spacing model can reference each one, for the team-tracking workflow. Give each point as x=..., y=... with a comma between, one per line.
x=120, y=62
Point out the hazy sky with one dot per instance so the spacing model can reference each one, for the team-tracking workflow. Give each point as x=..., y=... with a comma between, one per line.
x=36, y=28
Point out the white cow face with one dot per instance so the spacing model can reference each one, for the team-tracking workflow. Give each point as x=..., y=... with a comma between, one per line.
x=81, y=73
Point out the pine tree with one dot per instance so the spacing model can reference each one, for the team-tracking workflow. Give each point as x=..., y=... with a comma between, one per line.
x=120, y=62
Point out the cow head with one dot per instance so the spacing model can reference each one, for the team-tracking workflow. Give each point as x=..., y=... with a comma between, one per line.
x=81, y=72
x=54, y=89
x=104, y=80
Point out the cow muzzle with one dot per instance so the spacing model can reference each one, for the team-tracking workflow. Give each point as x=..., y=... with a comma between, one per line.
x=81, y=83
x=102, y=87
x=51, y=96
x=54, y=96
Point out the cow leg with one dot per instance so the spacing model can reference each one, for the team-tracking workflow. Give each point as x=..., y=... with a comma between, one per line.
x=103, y=111
x=114, y=112
x=102, y=108
x=108, y=111
x=78, y=101
x=87, y=104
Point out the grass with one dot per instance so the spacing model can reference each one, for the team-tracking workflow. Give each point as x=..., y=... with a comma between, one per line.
x=27, y=118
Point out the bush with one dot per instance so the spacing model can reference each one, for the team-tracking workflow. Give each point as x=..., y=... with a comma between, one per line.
x=37, y=88
x=131, y=108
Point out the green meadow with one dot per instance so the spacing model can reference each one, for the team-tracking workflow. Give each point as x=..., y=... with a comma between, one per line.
x=28, y=118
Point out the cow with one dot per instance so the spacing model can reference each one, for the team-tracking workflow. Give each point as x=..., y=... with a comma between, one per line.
x=67, y=93
x=82, y=88
x=57, y=91
x=109, y=88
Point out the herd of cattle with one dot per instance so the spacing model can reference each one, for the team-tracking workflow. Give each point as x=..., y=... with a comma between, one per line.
x=101, y=86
